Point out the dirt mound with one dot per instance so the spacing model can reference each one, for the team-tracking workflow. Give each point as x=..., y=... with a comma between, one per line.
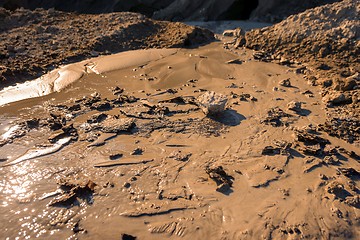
x=34, y=42
x=331, y=31
x=324, y=44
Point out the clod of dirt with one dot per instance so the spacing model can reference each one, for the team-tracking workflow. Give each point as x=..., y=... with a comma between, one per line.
x=294, y=106
x=212, y=103
x=338, y=190
x=350, y=172
x=285, y=83
x=222, y=179
x=117, y=125
x=270, y=150
x=277, y=117
x=73, y=191
x=180, y=156
x=310, y=139
x=137, y=151
x=337, y=98
x=115, y=156
x=353, y=201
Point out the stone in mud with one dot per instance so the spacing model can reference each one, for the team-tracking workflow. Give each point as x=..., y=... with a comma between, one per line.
x=97, y=118
x=117, y=90
x=212, y=103
x=330, y=160
x=76, y=228
x=223, y=188
x=244, y=97
x=101, y=106
x=312, y=150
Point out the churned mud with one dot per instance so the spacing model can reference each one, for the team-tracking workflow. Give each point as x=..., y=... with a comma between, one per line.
x=129, y=153
x=255, y=136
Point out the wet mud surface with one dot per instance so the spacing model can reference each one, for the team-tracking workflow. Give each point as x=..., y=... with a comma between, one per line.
x=131, y=153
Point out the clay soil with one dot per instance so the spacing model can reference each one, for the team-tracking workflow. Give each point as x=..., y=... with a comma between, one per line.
x=130, y=153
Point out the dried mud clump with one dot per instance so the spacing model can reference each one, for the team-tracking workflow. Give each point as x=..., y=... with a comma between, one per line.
x=34, y=42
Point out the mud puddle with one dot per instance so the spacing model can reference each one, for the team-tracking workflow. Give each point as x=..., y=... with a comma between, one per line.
x=143, y=159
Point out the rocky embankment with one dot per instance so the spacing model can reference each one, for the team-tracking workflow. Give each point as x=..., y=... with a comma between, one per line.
x=322, y=43
x=34, y=42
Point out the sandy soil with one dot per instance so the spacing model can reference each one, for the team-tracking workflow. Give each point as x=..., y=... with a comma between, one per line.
x=144, y=161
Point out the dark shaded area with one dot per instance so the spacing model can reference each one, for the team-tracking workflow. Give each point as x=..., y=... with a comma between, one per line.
x=229, y=118
x=179, y=10
x=240, y=10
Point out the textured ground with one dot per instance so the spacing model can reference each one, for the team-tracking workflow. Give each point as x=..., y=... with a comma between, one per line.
x=324, y=44
x=34, y=42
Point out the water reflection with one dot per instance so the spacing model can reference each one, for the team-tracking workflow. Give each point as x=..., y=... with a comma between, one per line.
x=17, y=185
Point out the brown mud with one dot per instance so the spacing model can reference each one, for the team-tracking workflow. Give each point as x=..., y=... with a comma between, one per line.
x=145, y=161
